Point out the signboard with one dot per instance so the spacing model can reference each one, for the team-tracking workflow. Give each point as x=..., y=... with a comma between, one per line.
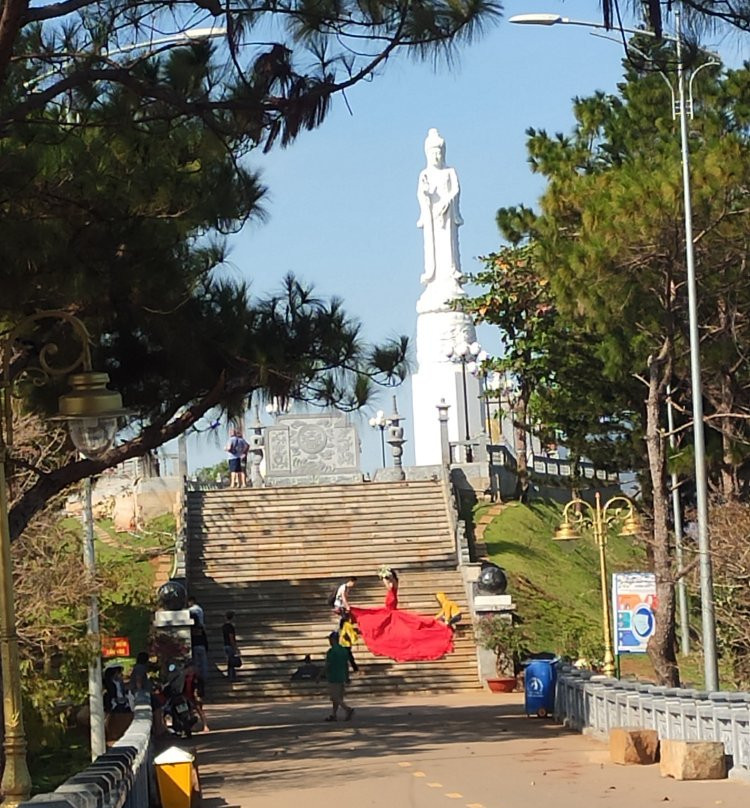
x=633, y=604
x=115, y=647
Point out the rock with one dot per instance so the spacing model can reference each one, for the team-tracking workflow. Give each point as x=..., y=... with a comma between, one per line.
x=693, y=760
x=633, y=746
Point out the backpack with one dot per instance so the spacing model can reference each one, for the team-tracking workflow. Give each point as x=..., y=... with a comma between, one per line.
x=239, y=446
x=332, y=596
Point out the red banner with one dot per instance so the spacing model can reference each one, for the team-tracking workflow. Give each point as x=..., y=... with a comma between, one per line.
x=115, y=647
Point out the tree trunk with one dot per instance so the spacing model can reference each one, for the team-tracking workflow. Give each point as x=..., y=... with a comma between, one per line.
x=662, y=645
x=519, y=425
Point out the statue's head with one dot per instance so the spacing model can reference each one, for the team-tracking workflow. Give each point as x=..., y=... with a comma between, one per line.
x=434, y=148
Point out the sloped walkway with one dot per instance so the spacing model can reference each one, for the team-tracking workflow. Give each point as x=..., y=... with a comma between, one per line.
x=468, y=750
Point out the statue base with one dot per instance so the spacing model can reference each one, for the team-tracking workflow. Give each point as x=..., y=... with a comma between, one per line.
x=436, y=378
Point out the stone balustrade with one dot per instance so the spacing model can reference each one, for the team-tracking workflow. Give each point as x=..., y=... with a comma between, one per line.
x=596, y=704
x=120, y=778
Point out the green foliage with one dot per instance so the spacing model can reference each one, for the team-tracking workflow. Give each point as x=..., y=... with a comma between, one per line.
x=499, y=634
x=247, y=90
x=210, y=474
x=123, y=167
x=52, y=628
x=51, y=766
x=560, y=375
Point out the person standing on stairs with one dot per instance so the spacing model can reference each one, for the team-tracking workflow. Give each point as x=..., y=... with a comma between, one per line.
x=237, y=448
x=231, y=650
x=199, y=643
x=337, y=673
x=341, y=605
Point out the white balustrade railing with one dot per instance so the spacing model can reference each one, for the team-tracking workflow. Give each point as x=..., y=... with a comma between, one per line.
x=120, y=778
x=596, y=704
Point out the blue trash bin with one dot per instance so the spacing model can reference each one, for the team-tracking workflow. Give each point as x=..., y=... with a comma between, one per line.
x=539, y=687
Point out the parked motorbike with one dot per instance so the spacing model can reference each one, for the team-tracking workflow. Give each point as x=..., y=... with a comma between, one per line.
x=179, y=709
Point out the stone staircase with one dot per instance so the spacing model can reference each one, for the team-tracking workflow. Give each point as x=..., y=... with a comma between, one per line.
x=273, y=556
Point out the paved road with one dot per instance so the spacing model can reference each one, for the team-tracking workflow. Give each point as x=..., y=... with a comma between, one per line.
x=468, y=751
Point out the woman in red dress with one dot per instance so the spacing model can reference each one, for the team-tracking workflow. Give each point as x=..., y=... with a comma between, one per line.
x=403, y=636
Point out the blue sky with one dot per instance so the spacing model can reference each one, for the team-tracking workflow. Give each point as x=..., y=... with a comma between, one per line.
x=342, y=208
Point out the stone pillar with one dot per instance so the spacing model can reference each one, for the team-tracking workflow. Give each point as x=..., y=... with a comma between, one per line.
x=445, y=446
x=396, y=441
x=257, y=445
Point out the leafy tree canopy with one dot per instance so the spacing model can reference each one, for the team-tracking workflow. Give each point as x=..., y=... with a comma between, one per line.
x=559, y=374
x=280, y=63
x=122, y=227
x=123, y=131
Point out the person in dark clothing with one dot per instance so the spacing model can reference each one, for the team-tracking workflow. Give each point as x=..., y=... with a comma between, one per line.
x=231, y=650
x=115, y=693
x=308, y=671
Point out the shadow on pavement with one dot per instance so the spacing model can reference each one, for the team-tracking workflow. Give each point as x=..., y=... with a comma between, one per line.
x=289, y=744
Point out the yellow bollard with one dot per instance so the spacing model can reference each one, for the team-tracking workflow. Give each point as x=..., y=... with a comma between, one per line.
x=174, y=775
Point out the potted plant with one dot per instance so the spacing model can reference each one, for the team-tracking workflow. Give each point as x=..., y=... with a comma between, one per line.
x=497, y=633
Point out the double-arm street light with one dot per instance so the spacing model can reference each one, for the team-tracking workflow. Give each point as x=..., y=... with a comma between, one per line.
x=379, y=421
x=467, y=354
x=682, y=109
x=92, y=413
x=579, y=514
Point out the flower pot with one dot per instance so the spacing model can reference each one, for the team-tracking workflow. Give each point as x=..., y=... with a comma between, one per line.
x=501, y=685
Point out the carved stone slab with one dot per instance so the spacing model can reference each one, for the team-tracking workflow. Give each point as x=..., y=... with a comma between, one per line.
x=312, y=449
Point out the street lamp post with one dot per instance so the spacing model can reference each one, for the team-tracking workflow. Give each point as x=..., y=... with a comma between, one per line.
x=151, y=46
x=92, y=412
x=379, y=421
x=465, y=353
x=577, y=513
x=684, y=108
x=278, y=406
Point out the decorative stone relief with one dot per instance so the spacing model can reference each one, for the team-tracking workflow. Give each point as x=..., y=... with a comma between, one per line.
x=310, y=449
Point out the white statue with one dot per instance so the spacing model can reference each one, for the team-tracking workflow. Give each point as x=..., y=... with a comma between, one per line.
x=438, y=194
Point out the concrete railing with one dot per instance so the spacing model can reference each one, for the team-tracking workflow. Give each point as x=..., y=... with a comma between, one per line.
x=120, y=778
x=596, y=704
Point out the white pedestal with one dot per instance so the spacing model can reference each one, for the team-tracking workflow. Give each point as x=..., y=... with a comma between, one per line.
x=438, y=378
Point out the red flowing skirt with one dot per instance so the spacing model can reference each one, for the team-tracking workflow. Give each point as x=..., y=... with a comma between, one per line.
x=403, y=636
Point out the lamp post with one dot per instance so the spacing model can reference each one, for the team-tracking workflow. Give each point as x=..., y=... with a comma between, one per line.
x=379, y=421
x=465, y=353
x=92, y=412
x=277, y=406
x=682, y=108
x=178, y=38
x=577, y=513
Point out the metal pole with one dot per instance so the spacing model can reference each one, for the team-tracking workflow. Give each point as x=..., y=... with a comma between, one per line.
x=487, y=407
x=710, y=666
x=382, y=443
x=16, y=780
x=469, y=453
x=182, y=460
x=96, y=696
x=601, y=541
x=682, y=604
